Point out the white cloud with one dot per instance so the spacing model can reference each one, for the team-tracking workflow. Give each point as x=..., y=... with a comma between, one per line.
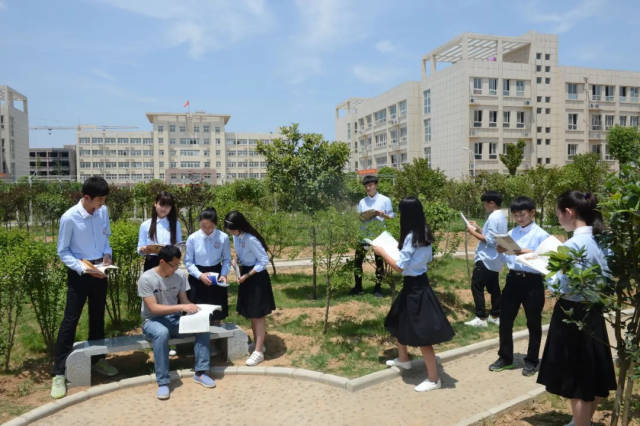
x=203, y=25
x=3, y=5
x=385, y=46
x=376, y=75
x=102, y=74
x=561, y=22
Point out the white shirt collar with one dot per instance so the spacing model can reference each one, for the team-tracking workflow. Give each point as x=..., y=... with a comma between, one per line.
x=374, y=197
x=583, y=230
x=528, y=227
x=83, y=212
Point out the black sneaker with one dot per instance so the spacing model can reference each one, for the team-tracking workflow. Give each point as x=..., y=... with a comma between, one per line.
x=356, y=291
x=501, y=365
x=529, y=369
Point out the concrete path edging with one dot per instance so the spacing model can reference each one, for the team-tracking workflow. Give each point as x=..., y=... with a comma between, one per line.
x=352, y=385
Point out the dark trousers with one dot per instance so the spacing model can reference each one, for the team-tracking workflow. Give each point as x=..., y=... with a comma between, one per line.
x=79, y=289
x=481, y=278
x=361, y=250
x=526, y=289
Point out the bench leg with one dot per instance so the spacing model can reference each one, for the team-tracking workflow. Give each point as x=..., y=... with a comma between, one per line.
x=236, y=346
x=78, y=369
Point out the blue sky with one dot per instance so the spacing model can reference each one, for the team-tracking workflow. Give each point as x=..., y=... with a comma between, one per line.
x=266, y=63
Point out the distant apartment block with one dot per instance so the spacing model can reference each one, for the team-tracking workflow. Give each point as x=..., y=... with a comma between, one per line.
x=493, y=91
x=182, y=148
x=14, y=134
x=53, y=163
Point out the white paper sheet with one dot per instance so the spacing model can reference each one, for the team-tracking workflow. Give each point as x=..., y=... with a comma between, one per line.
x=505, y=241
x=465, y=219
x=198, y=322
x=537, y=260
x=388, y=243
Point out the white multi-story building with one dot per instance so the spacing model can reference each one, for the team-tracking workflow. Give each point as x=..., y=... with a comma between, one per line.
x=181, y=148
x=494, y=91
x=14, y=134
x=53, y=163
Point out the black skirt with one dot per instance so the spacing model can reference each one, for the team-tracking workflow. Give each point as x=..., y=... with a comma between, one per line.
x=150, y=262
x=212, y=295
x=255, y=295
x=416, y=317
x=577, y=363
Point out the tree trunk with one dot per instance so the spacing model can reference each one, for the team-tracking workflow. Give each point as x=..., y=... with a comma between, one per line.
x=466, y=253
x=273, y=266
x=314, y=260
x=627, y=396
x=622, y=376
x=326, y=309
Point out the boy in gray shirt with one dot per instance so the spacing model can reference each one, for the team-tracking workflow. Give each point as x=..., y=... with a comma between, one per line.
x=164, y=298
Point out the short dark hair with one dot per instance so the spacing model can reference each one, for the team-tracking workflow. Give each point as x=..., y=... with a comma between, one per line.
x=522, y=203
x=95, y=186
x=369, y=179
x=169, y=252
x=494, y=196
x=209, y=214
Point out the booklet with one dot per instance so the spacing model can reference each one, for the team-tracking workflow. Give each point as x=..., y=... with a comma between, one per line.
x=155, y=248
x=213, y=277
x=388, y=243
x=198, y=322
x=505, y=241
x=99, y=267
x=539, y=260
x=368, y=214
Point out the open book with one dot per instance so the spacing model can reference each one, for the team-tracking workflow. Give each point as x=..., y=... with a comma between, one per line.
x=505, y=241
x=388, y=243
x=155, y=248
x=198, y=322
x=100, y=267
x=539, y=260
x=368, y=214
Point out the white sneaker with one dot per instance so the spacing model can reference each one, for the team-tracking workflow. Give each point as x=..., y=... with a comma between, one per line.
x=494, y=320
x=477, y=322
x=172, y=352
x=405, y=365
x=428, y=385
x=255, y=359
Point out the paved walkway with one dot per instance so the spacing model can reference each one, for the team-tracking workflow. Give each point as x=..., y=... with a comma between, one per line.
x=469, y=389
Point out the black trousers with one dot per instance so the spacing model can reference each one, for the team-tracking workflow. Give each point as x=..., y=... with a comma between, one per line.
x=361, y=251
x=526, y=289
x=481, y=278
x=79, y=289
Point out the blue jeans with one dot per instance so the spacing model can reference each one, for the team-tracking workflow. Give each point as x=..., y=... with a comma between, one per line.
x=159, y=330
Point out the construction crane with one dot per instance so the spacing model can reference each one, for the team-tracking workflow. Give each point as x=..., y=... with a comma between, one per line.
x=82, y=127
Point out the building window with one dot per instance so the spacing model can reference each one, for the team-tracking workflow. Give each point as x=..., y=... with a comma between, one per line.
x=538, y=80
x=172, y=127
x=477, y=86
x=608, y=93
x=572, y=150
x=547, y=56
x=623, y=120
x=539, y=129
x=427, y=101
x=493, y=150
x=519, y=88
x=539, y=160
x=538, y=110
x=572, y=91
x=633, y=121
x=547, y=110
x=493, y=86
x=183, y=129
x=477, y=150
x=596, y=149
x=520, y=119
x=538, y=68
x=538, y=98
x=547, y=129
x=547, y=69
x=596, y=92
x=547, y=160
x=505, y=87
x=547, y=141
x=608, y=121
x=538, y=55
x=493, y=118
x=547, y=80
x=623, y=94
x=539, y=142
x=196, y=129
x=506, y=117
x=427, y=155
x=427, y=130
x=403, y=109
x=634, y=91
x=607, y=155
x=477, y=118
x=160, y=128
x=205, y=128
x=547, y=99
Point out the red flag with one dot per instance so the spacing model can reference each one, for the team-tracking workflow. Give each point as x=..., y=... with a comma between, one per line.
x=186, y=104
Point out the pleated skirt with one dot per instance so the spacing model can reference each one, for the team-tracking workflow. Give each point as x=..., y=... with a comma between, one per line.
x=577, y=363
x=212, y=295
x=255, y=295
x=416, y=317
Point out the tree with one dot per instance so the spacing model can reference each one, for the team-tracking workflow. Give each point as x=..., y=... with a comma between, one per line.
x=119, y=201
x=279, y=229
x=190, y=201
x=624, y=143
x=418, y=178
x=513, y=158
x=587, y=172
x=543, y=183
x=305, y=173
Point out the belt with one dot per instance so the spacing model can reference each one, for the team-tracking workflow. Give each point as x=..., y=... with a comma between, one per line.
x=523, y=274
x=96, y=261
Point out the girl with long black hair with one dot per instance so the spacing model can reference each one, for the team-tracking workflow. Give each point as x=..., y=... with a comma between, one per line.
x=255, y=295
x=162, y=229
x=416, y=317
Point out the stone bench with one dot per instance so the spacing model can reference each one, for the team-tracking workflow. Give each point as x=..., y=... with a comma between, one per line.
x=233, y=342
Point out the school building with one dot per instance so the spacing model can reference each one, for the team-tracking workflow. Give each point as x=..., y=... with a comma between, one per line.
x=14, y=134
x=181, y=148
x=479, y=93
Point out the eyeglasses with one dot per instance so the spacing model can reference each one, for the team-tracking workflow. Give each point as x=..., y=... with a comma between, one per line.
x=174, y=266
